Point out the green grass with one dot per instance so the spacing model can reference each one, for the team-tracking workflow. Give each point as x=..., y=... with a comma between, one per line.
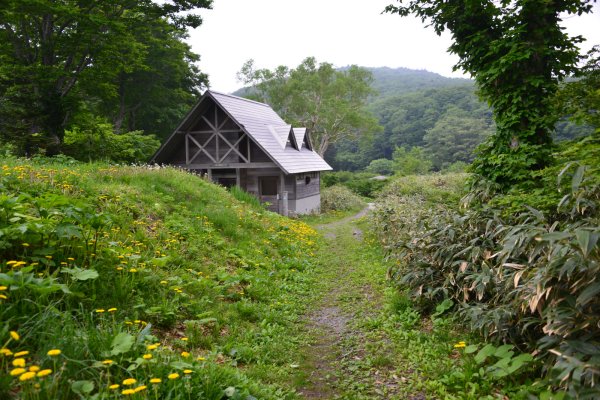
x=171, y=259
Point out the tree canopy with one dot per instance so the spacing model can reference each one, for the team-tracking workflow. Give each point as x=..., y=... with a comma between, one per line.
x=57, y=56
x=517, y=52
x=329, y=102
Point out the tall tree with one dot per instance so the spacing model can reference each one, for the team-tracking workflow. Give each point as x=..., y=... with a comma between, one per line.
x=327, y=101
x=48, y=48
x=517, y=53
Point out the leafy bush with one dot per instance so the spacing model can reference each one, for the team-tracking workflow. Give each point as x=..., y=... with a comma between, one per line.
x=381, y=166
x=528, y=279
x=96, y=141
x=411, y=161
x=361, y=183
x=339, y=198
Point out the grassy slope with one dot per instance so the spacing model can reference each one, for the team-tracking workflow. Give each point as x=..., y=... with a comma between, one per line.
x=185, y=265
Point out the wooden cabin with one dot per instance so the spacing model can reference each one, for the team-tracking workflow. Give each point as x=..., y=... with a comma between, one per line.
x=236, y=141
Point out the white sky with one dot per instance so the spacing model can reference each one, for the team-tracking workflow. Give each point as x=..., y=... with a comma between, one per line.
x=342, y=32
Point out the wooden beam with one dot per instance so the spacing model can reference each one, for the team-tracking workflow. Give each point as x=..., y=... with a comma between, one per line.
x=201, y=147
x=211, y=131
x=238, y=179
x=232, y=147
x=228, y=165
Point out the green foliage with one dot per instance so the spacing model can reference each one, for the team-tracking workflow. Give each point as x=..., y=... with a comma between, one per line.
x=517, y=53
x=411, y=162
x=96, y=141
x=110, y=264
x=525, y=278
x=361, y=183
x=328, y=102
x=381, y=166
x=339, y=198
x=59, y=56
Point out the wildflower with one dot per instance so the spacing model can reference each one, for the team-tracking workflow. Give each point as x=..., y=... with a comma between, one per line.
x=163, y=282
x=119, y=268
x=3, y=297
x=100, y=310
x=14, y=335
x=152, y=347
x=114, y=386
x=187, y=371
x=174, y=375
x=147, y=356
x=44, y=372
x=2, y=288
x=128, y=391
x=460, y=345
x=129, y=381
x=18, y=362
x=21, y=353
x=133, y=270
x=25, y=244
x=5, y=352
x=107, y=362
x=48, y=257
x=17, y=371
x=34, y=368
x=201, y=359
x=71, y=259
x=112, y=309
x=140, y=388
x=184, y=339
x=155, y=380
x=26, y=376
x=54, y=352
x=185, y=354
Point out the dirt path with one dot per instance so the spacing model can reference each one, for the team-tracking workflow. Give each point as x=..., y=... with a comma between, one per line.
x=347, y=358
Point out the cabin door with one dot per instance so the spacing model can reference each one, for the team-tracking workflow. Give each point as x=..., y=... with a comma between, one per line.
x=268, y=187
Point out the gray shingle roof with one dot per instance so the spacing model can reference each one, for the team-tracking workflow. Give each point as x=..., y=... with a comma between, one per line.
x=270, y=132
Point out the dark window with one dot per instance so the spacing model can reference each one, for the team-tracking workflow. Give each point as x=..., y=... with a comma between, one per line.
x=227, y=182
x=307, y=179
x=268, y=186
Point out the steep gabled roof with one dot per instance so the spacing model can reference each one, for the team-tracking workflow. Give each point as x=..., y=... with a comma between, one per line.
x=268, y=131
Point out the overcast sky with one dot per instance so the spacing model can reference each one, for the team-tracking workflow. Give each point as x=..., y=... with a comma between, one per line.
x=342, y=32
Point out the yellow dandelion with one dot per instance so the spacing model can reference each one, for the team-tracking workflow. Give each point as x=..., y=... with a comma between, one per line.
x=112, y=309
x=26, y=376
x=201, y=359
x=54, y=352
x=71, y=259
x=14, y=335
x=133, y=270
x=44, y=372
x=129, y=381
x=5, y=352
x=114, y=386
x=25, y=244
x=155, y=380
x=3, y=297
x=21, y=353
x=18, y=362
x=2, y=288
x=147, y=356
x=174, y=375
x=100, y=310
x=17, y=371
x=107, y=362
x=184, y=339
x=128, y=392
x=185, y=354
x=163, y=282
x=119, y=268
x=152, y=347
x=140, y=388
x=187, y=371
x=34, y=368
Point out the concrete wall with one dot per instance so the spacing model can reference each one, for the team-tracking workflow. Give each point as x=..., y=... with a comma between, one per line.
x=306, y=205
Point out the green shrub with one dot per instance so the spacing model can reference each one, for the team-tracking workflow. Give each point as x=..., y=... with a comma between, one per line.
x=381, y=166
x=97, y=141
x=361, y=183
x=529, y=278
x=339, y=198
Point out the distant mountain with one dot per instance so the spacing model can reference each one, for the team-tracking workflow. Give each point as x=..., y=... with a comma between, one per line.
x=397, y=81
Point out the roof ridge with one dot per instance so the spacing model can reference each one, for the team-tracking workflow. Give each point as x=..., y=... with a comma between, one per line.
x=238, y=97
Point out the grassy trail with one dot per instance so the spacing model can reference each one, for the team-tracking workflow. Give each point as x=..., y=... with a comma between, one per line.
x=350, y=355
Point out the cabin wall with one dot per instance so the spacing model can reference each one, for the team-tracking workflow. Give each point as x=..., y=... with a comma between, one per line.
x=306, y=205
x=310, y=189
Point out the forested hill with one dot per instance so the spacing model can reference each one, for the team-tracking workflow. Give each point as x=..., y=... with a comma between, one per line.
x=394, y=81
x=418, y=108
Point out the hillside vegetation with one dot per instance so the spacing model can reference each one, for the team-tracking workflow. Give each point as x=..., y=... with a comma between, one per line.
x=144, y=282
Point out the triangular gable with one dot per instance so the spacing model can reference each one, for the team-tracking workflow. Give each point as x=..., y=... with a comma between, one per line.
x=292, y=139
